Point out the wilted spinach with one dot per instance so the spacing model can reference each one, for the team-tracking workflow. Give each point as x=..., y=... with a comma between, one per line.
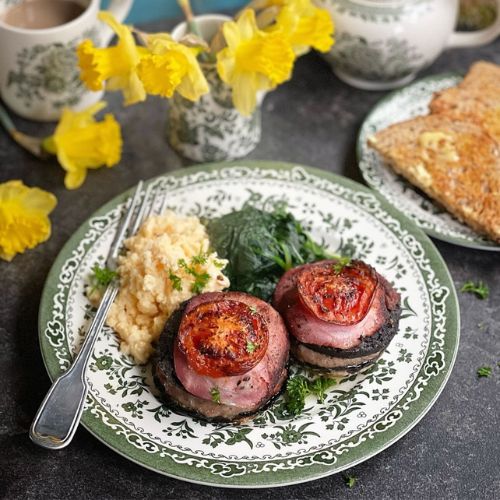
x=260, y=247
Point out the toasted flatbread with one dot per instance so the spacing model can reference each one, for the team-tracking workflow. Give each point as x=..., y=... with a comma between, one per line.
x=454, y=162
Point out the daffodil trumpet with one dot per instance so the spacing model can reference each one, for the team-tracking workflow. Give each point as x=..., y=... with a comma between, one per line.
x=24, y=217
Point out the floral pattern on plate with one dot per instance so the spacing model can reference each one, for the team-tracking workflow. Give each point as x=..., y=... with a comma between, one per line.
x=360, y=416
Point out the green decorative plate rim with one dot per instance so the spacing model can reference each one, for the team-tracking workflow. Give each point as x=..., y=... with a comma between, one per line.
x=478, y=243
x=402, y=417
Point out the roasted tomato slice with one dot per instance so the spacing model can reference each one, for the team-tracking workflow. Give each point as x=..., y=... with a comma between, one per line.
x=341, y=296
x=223, y=338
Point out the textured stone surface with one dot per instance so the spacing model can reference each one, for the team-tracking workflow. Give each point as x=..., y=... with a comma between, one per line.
x=314, y=120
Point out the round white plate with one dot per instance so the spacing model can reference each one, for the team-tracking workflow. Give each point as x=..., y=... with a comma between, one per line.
x=362, y=414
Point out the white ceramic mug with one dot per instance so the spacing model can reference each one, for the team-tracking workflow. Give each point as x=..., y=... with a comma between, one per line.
x=382, y=44
x=39, y=74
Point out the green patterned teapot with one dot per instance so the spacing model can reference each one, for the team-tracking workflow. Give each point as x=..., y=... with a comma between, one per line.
x=382, y=44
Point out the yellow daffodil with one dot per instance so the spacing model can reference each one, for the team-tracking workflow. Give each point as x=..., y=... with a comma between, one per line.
x=306, y=26
x=170, y=67
x=117, y=66
x=253, y=60
x=80, y=143
x=24, y=221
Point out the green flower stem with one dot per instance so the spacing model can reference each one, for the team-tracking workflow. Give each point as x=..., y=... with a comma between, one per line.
x=193, y=28
x=31, y=144
x=7, y=123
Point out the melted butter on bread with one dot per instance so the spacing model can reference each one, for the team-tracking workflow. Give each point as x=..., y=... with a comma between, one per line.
x=422, y=174
x=440, y=144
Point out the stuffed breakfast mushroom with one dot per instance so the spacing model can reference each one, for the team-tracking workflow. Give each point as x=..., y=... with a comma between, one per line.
x=222, y=356
x=340, y=317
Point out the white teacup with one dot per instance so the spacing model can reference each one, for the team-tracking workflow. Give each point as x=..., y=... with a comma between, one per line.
x=39, y=74
x=382, y=44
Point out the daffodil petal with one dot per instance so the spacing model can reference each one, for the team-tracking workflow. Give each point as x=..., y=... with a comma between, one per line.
x=75, y=178
x=247, y=25
x=134, y=92
x=231, y=34
x=245, y=93
x=193, y=85
x=38, y=200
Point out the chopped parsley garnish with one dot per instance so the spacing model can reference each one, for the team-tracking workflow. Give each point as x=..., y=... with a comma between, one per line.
x=200, y=278
x=253, y=309
x=101, y=277
x=199, y=259
x=175, y=280
x=480, y=290
x=320, y=386
x=200, y=282
x=484, y=371
x=251, y=346
x=215, y=395
x=340, y=264
x=349, y=480
x=298, y=387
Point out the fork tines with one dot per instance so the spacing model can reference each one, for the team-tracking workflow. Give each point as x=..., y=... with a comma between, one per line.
x=133, y=219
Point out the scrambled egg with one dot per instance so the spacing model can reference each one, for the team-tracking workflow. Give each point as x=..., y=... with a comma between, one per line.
x=166, y=263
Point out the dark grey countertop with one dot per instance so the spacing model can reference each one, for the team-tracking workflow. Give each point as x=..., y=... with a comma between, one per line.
x=313, y=120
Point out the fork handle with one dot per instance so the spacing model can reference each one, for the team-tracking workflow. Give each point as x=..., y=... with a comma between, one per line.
x=59, y=414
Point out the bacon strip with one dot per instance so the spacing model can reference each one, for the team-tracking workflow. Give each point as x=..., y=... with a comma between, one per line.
x=249, y=390
x=309, y=329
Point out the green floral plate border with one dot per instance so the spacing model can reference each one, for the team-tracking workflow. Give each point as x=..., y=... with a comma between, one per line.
x=400, y=105
x=433, y=367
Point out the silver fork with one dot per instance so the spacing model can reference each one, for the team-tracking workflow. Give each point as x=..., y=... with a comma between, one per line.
x=59, y=414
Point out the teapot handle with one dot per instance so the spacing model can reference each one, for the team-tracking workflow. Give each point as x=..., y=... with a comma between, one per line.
x=120, y=10
x=476, y=38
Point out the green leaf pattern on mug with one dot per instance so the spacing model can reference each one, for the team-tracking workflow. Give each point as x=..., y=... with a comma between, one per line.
x=211, y=129
x=384, y=60
x=49, y=72
x=378, y=12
